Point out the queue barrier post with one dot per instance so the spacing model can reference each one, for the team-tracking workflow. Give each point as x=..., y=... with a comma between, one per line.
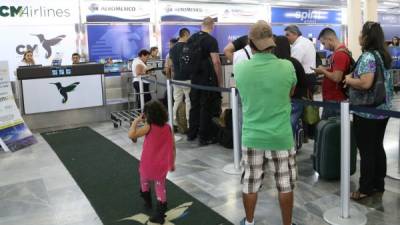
x=170, y=109
x=344, y=215
x=234, y=169
x=141, y=91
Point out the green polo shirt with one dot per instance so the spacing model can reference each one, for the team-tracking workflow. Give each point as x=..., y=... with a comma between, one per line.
x=264, y=84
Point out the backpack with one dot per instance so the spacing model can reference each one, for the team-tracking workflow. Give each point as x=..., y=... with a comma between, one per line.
x=351, y=69
x=191, y=55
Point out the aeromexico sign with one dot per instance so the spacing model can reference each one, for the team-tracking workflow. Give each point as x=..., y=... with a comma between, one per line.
x=305, y=16
x=116, y=11
x=196, y=12
x=38, y=12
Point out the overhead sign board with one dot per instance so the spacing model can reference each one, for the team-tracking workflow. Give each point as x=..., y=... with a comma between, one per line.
x=38, y=12
x=117, y=11
x=305, y=16
x=224, y=13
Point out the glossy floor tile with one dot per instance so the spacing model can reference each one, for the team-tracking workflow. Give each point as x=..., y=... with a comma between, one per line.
x=36, y=189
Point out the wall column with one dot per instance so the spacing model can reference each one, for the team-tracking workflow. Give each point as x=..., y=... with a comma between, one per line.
x=370, y=10
x=354, y=26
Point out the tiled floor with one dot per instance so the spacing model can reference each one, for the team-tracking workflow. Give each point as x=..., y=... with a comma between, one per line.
x=36, y=189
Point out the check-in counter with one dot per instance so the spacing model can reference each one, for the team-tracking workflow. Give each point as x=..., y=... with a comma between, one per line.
x=64, y=95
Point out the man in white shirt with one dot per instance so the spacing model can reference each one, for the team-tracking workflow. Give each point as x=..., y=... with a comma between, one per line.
x=302, y=48
x=243, y=54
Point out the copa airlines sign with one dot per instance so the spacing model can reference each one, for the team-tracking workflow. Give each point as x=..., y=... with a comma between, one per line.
x=38, y=12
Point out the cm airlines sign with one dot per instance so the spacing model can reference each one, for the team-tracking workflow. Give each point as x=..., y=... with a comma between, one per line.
x=38, y=12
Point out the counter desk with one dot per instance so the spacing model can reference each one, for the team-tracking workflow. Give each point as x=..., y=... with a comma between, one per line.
x=65, y=95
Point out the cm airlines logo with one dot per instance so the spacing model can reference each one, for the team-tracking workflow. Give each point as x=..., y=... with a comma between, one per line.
x=64, y=90
x=10, y=11
x=30, y=11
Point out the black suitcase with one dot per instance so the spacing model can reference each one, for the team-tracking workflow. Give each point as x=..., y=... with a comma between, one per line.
x=326, y=157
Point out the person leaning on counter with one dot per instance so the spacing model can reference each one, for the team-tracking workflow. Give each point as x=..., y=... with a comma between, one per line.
x=27, y=60
x=76, y=58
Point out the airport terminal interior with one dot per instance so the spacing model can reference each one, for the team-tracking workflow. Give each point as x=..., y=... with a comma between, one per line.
x=71, y=86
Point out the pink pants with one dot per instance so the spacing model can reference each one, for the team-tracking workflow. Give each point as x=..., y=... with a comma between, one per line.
x=159, y=186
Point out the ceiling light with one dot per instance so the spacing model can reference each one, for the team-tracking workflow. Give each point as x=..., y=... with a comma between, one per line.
x=391, y=3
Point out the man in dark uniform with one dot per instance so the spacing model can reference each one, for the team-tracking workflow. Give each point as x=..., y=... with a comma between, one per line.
x=205, y=104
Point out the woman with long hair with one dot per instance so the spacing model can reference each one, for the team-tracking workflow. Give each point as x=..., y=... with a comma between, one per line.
x=370, y=129
x=27, y=60
x=282, y=51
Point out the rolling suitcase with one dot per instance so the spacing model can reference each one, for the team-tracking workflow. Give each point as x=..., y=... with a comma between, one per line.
x=326, y=158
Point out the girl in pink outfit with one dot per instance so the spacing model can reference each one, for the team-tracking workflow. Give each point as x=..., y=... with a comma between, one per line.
x=158, y=155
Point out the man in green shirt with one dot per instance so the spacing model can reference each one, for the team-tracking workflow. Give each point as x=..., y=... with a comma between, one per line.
x=265, y=84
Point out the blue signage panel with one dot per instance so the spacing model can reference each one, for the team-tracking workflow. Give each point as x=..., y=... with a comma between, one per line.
x=172, y=31
x=223, y=33
x=389, y=19
x=117, y=41
x=306, y=16
x=390, y=31
x=227, y=33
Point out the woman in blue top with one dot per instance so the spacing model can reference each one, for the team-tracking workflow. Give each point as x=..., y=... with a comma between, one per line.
x=370, y=129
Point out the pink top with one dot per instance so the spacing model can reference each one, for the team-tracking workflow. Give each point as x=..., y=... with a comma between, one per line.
x=157, y=155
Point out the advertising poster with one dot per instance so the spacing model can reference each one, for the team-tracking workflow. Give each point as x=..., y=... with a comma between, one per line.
x=117, y=41
x=14, y=134
x=116, y=11
x=62, y=93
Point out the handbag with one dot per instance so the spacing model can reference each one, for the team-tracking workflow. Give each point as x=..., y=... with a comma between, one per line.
x=376, y=94
x=310, y=113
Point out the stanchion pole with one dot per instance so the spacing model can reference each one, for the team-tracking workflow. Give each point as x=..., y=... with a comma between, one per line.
x=141, y=94
x=393, y=171
x=169, y=96
x=234, y=168
x=343, y=215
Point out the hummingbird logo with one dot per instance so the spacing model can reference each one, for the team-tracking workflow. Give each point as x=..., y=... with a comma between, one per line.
x=171, y=215
x=64, y=90
x=47, y=44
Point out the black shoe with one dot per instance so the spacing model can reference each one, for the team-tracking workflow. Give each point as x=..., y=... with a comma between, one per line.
x=203, y=142
x=159, y=214
x=147, y=199
x=191, y=137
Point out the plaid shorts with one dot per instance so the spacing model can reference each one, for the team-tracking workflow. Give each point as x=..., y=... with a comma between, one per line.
x=281, y=163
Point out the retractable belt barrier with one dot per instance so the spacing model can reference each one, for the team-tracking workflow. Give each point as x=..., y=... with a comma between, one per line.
x=195, y=86
x=328, y=105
